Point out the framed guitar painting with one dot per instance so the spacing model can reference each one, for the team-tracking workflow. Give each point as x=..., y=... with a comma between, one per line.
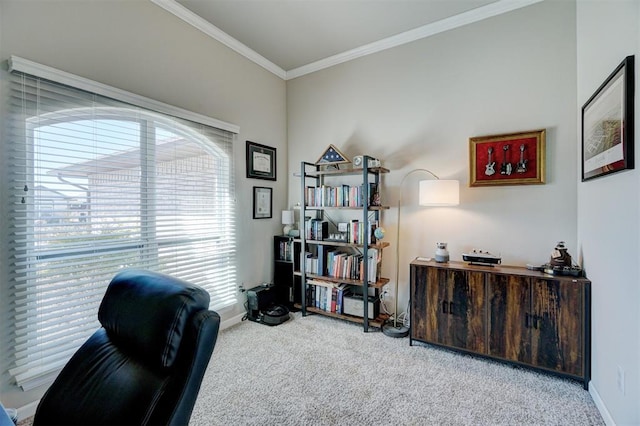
x=508, y=159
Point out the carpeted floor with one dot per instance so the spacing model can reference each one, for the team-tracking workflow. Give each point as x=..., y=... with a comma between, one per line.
x=320, y=371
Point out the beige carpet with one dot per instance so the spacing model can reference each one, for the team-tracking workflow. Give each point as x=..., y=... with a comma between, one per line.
x=319, y=371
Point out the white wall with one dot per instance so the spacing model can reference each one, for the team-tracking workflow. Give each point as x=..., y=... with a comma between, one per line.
x=416, y=106
x=139, y=47
x=609, y=218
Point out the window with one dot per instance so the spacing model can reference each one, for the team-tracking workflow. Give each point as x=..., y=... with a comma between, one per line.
x=100, y=185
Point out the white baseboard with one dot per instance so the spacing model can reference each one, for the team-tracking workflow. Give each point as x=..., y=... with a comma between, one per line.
x=600, y=405
x=28, y=410
x=232, y=321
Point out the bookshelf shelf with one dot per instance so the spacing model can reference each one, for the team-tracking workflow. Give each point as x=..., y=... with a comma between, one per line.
x=378, y=284
x=379, y=245
x=344, y=268
x=343, y=172
x=376, y=322
x=371, y=208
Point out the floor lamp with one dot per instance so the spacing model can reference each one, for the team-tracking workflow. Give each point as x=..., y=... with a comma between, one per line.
x=435, y=192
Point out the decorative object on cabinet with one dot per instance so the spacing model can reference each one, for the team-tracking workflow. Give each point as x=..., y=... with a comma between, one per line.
x=442, y=254
x=432, y=193
x=506, y=313
x=262, y=197
x=332, y=156
x=561, y=263
x=607, y=124
x=288, y=220
x=481, y=257
x=341, y=261
x=261, y=161
x=507, y=159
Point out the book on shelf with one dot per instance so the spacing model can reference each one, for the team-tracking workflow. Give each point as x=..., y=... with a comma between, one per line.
x=350, y=265
x=316, y=229
x=341, y=289
x=357, y=235
x=286, y=250
x=375, y=263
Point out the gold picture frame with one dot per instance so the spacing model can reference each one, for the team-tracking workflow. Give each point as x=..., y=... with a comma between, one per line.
x=507, y=159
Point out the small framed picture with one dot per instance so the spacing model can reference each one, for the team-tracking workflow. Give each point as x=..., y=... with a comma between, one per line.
x=262, y=198
x=261, y=161
x=607, y=124
x=507, y=159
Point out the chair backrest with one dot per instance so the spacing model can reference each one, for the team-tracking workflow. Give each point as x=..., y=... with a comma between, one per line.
x=145, y=365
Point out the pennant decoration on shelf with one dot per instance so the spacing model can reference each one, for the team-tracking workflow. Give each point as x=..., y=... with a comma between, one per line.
x=331, y=156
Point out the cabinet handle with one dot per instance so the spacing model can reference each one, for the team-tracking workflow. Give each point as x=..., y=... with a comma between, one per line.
x=451, y=308
x=444, y=307
x=527, y=321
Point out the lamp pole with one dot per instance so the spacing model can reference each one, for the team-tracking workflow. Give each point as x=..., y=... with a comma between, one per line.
x=396, y=330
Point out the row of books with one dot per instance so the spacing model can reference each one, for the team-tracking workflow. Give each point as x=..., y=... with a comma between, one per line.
x=357, y=234
x=340, y=196
x=329, y=261
x=285, y=251
x=326, y=296
x=317, y=229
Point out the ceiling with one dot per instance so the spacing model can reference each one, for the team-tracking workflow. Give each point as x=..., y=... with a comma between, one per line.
x=294, y=37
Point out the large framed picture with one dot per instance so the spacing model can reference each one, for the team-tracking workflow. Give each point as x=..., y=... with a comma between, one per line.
x=262, y=198
x=261, y=161
x=507, y=159
x=607, y=124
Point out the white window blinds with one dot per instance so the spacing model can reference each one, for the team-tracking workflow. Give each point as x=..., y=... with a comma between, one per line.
x=98, y=185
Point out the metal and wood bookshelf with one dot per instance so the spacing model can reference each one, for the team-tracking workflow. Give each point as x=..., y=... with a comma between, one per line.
x=366, y=211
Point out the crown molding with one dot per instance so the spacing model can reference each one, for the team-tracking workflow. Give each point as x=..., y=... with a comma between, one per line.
x=216, y=33
x=465, y=18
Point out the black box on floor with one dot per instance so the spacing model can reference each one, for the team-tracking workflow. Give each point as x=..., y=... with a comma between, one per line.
x=263, y=305
x=259, y=299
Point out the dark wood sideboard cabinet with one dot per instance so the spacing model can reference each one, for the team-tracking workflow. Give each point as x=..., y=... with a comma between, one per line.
x=506, y=313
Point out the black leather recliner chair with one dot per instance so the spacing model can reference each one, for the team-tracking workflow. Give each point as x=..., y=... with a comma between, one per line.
x=145, y=365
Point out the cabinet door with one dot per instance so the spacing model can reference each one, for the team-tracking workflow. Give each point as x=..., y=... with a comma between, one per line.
x=455, y=308
x=557, y=333
x=467, y=310
x=427, y=293
x=510, y=317
x=418, y=302
x=437, y=327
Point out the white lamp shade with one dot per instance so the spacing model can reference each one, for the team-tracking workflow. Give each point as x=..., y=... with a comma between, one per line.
x=439, y=192
x=287, y=217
